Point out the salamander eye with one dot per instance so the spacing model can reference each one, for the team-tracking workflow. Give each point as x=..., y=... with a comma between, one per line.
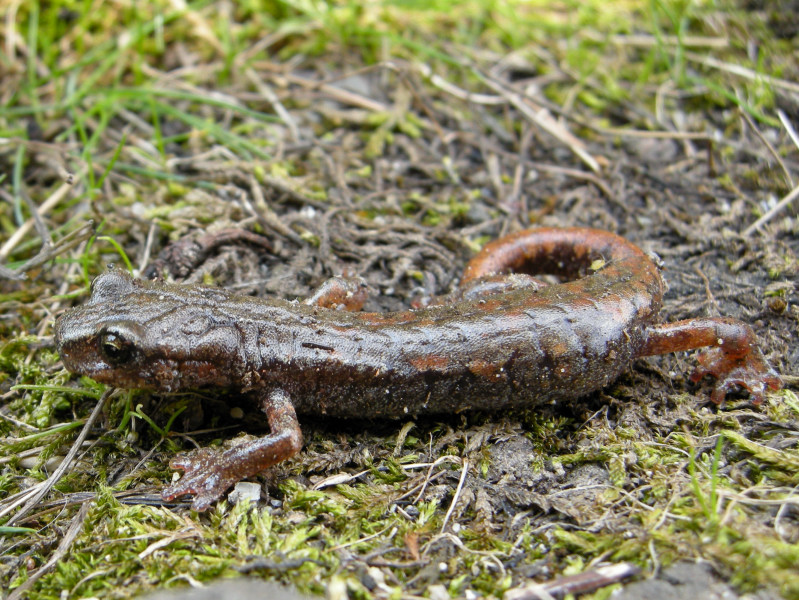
x=116, y=348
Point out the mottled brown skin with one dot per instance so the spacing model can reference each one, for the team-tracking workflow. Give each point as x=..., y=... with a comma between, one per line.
x=496, y=347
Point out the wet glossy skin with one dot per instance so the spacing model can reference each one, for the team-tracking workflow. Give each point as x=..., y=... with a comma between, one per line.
x=491, y=345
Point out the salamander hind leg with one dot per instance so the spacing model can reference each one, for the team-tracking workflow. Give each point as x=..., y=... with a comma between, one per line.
x=208, y=474
x=733, y=356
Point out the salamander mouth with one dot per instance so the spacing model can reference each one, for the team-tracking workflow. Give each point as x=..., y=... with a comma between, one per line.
x=77, y=360
x=157, y=377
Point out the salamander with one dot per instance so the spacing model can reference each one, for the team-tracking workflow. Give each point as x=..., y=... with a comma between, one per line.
x=504, y=339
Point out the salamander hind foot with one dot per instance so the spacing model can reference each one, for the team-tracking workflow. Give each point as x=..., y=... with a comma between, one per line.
x=732, y=355
x=750, y=372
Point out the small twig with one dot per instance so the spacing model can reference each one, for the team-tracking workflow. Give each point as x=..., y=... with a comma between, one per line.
x=63, y=549
x=16, y=422
x=283, y=187
x=708, y=292
x=548, y=168
x=536, y=113
x=582, y=583
x=11, y=274
x=51, y=251
x=338, y=479
x=429, y=477
x=742, y=498
x=148, y=247
x=183, y=534
x=266, y=564
x=267, y=217
x=38, y=222
x=30, y=452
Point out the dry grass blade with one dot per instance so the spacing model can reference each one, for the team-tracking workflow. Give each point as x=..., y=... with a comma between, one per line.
x=782, y=204
x=661, y=135
x=341, y=95
x=775, y=155
x=788, y=127
x=541, y=117
x=63, y=549
x=742, y=71
x=772, y=212
x=270, y=96
x=457, y=92
x=456, y=496
x=46, y=206
x=689, y=41
x=32, y=497
x=202, y=28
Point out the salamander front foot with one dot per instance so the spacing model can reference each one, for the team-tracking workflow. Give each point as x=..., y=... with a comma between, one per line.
x=204, y=476
x=208, y=474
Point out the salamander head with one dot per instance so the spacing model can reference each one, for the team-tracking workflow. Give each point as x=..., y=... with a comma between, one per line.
x=136, y=334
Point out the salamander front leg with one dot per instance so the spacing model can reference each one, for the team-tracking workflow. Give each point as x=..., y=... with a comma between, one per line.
x=733, y=356
x=208, y=474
